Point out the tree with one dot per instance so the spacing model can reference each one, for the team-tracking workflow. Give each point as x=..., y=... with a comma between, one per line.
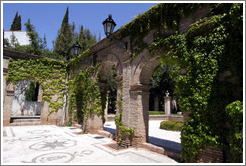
x=16, y=24
x=91, y=39
x=19, y=23
x=112, y=90
x=64, y=39
x=82, y=39
x=161, y=81
x=32, y=92
x=34, y=38
x=13, y=41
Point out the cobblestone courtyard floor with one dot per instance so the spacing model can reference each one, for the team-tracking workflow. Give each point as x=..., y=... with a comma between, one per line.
x=52, y=144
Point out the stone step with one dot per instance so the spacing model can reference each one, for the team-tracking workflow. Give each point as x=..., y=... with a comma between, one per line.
x=25, y=117
x=25, y=120
x=25, y=123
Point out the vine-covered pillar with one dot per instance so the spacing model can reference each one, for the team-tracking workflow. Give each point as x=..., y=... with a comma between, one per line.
x=139, y=112
x=104, y=94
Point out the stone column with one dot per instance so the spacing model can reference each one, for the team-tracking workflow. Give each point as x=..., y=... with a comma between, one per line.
x=168, y=104
x=156, y=104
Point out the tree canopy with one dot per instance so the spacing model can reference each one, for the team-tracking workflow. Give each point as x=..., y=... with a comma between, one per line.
x=16, y=24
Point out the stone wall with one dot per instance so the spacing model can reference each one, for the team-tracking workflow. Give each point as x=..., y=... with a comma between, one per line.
x=14, y=100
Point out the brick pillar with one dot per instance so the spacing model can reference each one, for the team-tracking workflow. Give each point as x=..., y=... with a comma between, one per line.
x=168, y=105
x=94, y=123
x=156, y=103
x=102, y=88
x=139, y=112
x=119, y=92
x=8, y=103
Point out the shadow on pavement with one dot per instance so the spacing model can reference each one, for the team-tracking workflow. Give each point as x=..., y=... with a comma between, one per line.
x=112, y=131
x=170, y=146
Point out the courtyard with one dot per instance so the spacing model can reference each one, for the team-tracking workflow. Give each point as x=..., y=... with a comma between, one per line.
x=181, y=61
x=53, y=144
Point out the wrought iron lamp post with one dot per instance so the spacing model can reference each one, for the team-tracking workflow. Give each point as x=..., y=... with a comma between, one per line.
x=75, y=50
x=108, y=26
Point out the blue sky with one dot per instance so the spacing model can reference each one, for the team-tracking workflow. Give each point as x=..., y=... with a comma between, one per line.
x=47, y=17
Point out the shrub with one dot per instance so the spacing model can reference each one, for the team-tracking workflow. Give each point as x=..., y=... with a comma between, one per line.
x=156, y=112
x=234, y=112
x=172, y=125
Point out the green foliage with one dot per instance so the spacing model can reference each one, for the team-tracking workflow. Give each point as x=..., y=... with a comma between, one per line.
x=67, y=37
x=84, y=95
x=16, y=24
x=82, y=39
x=112, y=89
x=172, y=125
x=6, y=43
x=31, y=92
x=122, y=131
x=34, y=38
x=156, y=113
x=162, y=16
x=13, y=41
x=161, y=81
x=76, y=62
x=64, y=39
x=211, y=46
x=202, y=51
x=49, y=73
x=234, y=112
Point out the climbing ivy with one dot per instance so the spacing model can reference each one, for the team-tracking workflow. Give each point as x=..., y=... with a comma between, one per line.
x=122, y=131
x=84, y=95
x=50, y=74
x=211, y=46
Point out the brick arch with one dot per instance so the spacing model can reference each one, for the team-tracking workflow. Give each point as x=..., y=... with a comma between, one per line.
x=144, y=69
x=108, y=62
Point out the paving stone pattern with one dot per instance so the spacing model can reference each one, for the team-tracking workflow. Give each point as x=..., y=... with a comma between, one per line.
x=52, y=144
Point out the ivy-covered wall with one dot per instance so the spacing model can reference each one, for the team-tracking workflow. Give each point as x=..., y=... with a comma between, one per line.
x=50, y=74
x=211, y=53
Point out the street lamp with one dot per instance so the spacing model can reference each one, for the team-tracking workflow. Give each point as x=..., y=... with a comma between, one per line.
x=108, y=26
x=76, y=49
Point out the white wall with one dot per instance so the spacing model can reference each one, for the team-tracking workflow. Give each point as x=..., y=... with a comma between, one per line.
x=21, y=107
x=21, y=37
